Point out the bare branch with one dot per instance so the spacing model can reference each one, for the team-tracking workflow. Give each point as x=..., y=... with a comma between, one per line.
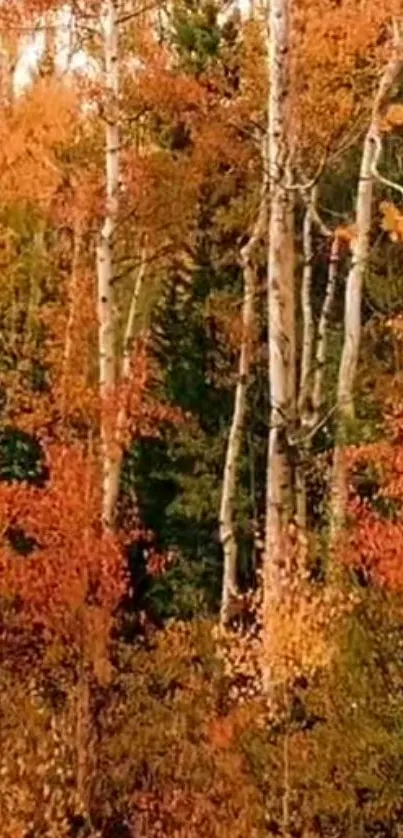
x=375, y=167
x=311, y=202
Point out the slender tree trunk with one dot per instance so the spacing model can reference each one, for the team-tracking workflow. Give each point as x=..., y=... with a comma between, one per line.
x=105, y=247
x=312, y=368
x=280, y=323
x=289, y=314
x=308, y=327
x=115, y=463
x=305, y=382
x=323, y=330
x=227, y=534
x=353, y=293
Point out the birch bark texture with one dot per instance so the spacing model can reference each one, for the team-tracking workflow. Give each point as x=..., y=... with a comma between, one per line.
x=306, y=371
x=281, y=327
x=324, y=328
x=314, y=350
x=308, y=325
x=315, y=339
x=234, y=444
x=354, y=285
x=116, y=459
x=104, y=254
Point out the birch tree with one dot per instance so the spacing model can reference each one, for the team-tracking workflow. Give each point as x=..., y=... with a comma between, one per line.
x=308, y=326
x=227, y=534
x=353, y=294
x=323, y=329
x=111, y=490
x=314, y=347
x=280, y=311
x=112, y=370
x=105, y=246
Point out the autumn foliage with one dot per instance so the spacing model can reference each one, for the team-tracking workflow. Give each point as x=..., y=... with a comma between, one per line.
x=124, y=709
x=374, y=541
x=71, y=564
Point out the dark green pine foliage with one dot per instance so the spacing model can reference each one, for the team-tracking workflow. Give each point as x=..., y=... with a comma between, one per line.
x=178, y=478
x=196, y=34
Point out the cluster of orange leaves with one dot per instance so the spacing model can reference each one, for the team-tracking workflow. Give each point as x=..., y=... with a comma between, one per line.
x=74, y=562
x=31, y=133
x=291, y=632
x=374, y=541
x=53, y=161
x=337, y=51
x=392, y=220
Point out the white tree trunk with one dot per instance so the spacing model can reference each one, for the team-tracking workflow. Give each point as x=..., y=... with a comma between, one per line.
x=280, y=319
x=353, y=293
x=105, y=246
x=323, y=330
x=312, y=368
x=308, y=328
x=227, y=534
x=111, y=491
x=305, y=381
